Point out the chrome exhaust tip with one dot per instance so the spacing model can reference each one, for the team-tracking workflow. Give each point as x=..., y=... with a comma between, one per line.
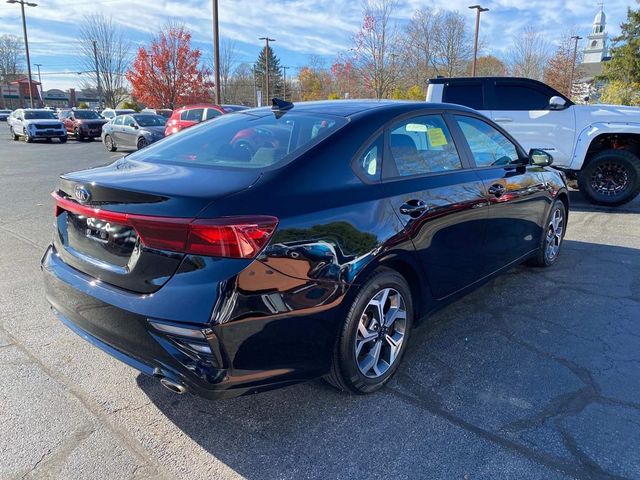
x=172, y=385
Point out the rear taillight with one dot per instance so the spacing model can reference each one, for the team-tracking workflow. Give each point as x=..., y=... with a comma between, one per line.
x=232, y=237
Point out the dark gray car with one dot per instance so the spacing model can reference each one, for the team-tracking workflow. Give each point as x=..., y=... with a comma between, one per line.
x=133, y=131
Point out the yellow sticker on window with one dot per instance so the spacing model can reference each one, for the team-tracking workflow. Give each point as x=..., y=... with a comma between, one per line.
x=436, y=137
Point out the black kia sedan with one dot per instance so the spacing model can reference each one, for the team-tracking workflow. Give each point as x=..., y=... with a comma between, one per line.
x=223, y=269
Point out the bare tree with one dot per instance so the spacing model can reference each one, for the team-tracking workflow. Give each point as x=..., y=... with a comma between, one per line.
x=419, y=46
x=113, y=56
x=240, y=87
x=529, y=54
x=376, y=48
x=228, y=63
x=10, y=58
x=453, y=44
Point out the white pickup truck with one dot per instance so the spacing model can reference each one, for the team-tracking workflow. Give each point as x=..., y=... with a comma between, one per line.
x=596, y=145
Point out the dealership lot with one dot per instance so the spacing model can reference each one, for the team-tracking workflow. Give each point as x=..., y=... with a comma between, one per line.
x=535, y=375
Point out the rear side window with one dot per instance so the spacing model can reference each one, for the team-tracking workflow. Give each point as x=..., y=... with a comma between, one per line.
x=423, y=145
x=468, y=94
x=242, y=140
x=520, y=97
x=369, y=164
x=192, y=115
x=488, y=146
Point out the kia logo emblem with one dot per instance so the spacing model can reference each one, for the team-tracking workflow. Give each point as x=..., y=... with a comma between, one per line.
x=82, y=194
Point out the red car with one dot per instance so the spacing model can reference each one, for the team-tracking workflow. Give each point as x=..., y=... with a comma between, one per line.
x=190, y=115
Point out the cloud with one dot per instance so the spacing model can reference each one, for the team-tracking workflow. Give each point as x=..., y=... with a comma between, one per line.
x=301, y=27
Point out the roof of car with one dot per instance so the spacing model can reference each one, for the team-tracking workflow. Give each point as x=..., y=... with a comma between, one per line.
x=348, y=108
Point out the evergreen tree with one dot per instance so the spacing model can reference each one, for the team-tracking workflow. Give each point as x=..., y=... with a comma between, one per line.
x=624, y=67
x=275, y=74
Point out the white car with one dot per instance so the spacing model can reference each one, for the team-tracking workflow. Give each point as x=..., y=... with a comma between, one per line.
x=111, y=113
x=596, y=145
x=34, y=124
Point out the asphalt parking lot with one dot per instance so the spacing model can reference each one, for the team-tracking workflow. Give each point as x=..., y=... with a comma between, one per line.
x=534, y=376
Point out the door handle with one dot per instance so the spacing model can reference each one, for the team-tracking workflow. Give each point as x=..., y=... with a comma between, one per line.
x=503, y=119
x=414, y=208
x=497, y=189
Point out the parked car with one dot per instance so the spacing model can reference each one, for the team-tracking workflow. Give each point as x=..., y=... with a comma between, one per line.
x=233, y=108
x=137, y=130
x=82, y=123
x=191, y=115
x=597, y=146
x=35, y=124
x=4, y=114
x=224, y=273
x=110, y=113
x=164, y=112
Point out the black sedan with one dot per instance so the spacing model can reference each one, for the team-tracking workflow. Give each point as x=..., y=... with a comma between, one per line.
x=226, y=271
x=136, y=130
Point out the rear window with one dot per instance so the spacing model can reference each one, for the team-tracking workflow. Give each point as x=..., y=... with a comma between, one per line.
x=469, y=95
x=192, y=115
x=241, y=140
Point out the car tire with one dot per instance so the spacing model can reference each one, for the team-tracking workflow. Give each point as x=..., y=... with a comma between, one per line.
x=13, y=134
x=108, y=143
x=63, y=139
x=368, y=352
x=142, y=142
x=610, y=178
x=77, y=135
x=552, y=236
x=27, y=138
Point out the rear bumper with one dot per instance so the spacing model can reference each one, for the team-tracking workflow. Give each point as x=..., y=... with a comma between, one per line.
x=242, y=352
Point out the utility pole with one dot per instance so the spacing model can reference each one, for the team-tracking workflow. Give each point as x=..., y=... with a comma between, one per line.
x=266, y=57
x=40, y=82
x=216, y=51
x=284, y=82
x=573, y=64
x=479, y=10
x=95, y=56
x=26, y=42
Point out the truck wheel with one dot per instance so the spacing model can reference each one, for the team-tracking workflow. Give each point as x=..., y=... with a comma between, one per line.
x=611, y=178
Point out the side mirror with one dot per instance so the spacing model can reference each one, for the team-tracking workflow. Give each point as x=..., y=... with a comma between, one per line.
x=540, y=158
x=557, y=103
x=135, y=125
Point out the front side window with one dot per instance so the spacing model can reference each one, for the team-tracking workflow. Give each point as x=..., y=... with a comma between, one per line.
x=129, y=121
x=423, y=145
x=192, y=115
x=242, y=140
x=212, y=113
x=488, y=146
x=520, y=97
x=118, y=120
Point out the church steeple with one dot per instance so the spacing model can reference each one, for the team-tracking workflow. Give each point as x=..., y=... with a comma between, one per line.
x=596, y=48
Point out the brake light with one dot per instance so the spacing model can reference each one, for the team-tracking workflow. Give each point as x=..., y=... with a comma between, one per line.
x=231, y=237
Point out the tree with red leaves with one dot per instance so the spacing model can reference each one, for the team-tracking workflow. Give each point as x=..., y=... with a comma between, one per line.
x=169, y=73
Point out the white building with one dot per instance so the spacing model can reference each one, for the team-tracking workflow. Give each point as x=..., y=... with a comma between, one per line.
x=595, y=54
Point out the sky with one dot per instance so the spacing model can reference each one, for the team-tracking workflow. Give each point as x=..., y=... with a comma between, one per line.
x=301, y=27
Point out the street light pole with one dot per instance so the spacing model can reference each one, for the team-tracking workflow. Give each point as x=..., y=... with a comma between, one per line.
x=26, y=41
x=95, y=57
x=216, y=51
x=266, y=59
x=479, y=10
x=40, y=82
x=284, y=82
x=573, y=65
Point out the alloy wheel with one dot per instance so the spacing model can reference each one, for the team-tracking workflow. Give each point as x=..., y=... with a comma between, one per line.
x=142, y=143
x=610, y=179
x=381, y=332
x=554, y=234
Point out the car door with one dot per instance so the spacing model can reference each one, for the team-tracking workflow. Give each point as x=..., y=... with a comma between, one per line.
x=438, y=200
x=515, y=190
x=522, y=109
x=115, y=129
x=129, y=131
